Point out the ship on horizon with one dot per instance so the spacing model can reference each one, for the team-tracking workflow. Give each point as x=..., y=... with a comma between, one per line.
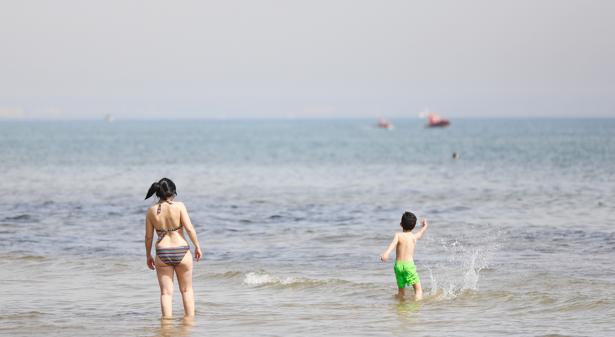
x=434, y=120
x=385, y=124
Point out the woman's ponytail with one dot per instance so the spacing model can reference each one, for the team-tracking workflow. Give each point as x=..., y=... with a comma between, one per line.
x=153, y=190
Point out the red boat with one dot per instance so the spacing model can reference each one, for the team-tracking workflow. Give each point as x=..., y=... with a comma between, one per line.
x=384, y=124
x=435, y=121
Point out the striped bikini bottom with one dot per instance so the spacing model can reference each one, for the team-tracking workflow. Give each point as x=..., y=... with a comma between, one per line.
x=172, y=256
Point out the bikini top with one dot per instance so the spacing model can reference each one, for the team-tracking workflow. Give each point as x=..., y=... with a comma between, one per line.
x=162, y=232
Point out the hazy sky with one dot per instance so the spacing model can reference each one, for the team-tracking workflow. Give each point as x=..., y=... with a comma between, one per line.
x=256, y=58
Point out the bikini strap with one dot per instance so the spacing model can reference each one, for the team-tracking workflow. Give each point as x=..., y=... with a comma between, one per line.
x=160, y=236
x=160, y=205
x=162, y=232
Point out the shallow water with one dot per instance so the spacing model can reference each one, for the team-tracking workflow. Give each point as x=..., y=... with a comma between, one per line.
x=292, y=216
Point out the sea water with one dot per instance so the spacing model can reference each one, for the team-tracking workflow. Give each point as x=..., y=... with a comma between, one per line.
x=292, y=215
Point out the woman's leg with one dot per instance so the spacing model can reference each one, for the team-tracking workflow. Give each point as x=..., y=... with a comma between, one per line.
x=184, y=278
x=165, y=280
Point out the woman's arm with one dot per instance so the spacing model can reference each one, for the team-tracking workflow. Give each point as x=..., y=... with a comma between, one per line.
x=149, y=237
x=185, y=221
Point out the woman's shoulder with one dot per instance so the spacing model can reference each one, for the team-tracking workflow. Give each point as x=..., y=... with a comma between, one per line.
x=151, y=210
x=179, y=204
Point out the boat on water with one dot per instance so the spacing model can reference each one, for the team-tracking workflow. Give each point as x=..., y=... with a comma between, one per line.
x=435, y=121
x=384, y=124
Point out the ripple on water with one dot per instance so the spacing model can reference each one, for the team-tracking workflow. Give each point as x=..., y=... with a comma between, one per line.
x=22, y=315
x=20, y=218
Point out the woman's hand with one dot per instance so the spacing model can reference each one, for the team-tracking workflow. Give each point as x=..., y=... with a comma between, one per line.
x=150, y=262
x=197, y=253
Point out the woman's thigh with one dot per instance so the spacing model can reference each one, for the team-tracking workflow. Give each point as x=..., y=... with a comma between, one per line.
x=165, y=278
x=184, y=272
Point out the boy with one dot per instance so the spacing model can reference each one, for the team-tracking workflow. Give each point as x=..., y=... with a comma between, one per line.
x=404, y=244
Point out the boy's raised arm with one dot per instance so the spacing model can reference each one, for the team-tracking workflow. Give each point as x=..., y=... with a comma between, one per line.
x=423, y=229
x=385, y=255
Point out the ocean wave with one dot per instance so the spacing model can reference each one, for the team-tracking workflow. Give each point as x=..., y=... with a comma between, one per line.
x=580, y=304
x=264, y=279
x=225, y=276
x=21, y=217
x=31, y=258
x=22, y=315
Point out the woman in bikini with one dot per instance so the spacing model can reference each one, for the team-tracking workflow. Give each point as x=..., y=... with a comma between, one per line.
x=169, y=218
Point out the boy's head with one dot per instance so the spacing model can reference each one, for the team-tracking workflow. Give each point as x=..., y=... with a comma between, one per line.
x=408, y=221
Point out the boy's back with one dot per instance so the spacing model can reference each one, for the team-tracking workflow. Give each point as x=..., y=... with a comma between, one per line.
x=404, y=244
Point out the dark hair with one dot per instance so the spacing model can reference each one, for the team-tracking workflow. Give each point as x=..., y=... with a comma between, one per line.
x=165, y=188
x=408, y=221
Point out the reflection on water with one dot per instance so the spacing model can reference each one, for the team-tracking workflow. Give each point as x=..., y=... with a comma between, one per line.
x=172, y=327
x=407, y=308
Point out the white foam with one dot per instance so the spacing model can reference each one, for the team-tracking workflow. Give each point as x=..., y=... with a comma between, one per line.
x=256, y=279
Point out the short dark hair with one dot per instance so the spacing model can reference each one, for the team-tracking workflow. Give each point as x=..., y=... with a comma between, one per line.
x=164, y=188
x=408, y=221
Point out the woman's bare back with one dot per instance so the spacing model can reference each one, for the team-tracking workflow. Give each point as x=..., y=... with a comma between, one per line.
x=166, y=219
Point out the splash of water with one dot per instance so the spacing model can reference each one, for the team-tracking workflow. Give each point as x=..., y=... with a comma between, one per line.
x=461, y=268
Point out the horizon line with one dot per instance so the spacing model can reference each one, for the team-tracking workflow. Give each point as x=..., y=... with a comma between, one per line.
x=282, y=118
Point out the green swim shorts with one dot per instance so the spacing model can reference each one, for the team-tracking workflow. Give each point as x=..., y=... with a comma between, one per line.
x=405, y=273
